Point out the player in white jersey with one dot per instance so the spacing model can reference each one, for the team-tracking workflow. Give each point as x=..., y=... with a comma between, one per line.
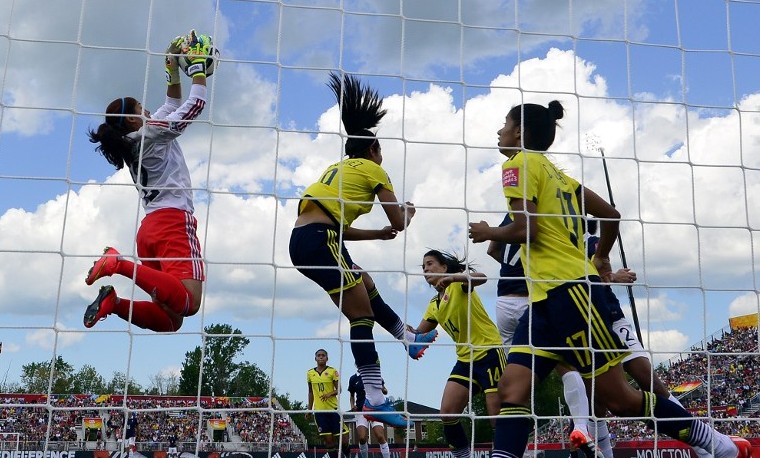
x=171, y=270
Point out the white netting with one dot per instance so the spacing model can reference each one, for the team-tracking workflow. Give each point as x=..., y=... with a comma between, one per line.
x=667, y=89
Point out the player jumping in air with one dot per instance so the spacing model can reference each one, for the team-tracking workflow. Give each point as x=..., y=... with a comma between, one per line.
x=172, y=272
x=569, y=313
x=326, y=211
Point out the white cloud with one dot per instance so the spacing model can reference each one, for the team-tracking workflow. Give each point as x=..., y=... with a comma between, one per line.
x=10, y=347
x=744, y=305
x=60, y=337
x=438, y=149
x=93, y=50
x=659, y=309
x=664, y=344
x=241, y=220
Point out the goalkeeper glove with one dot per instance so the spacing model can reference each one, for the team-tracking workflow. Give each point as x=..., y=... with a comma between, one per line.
x=198, y=51
x=172, y=64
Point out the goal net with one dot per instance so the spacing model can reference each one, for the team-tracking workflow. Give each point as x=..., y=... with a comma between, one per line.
x=662, y=109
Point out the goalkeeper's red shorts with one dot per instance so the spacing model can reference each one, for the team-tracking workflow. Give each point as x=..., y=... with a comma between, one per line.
x=167, y=241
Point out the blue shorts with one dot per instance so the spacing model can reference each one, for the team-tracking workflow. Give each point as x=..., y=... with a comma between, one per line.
x=571, y=325
x=329, y=423
x=485, y=372
x=317, y=252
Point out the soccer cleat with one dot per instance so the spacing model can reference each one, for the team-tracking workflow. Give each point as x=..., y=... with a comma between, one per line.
x=103, y=267
x=385, y=414
x=101, y=307
x=584, y=443
x=745, y=448
x=416, y=350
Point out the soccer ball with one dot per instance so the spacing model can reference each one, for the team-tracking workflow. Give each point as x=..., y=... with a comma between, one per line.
x=211, y=62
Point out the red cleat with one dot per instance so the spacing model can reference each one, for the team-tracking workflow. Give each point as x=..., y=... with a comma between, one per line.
x=103, y=267
x=101, y=307
x=745, y=448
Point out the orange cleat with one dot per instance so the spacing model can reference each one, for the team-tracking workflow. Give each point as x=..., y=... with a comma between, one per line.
x=585, y=443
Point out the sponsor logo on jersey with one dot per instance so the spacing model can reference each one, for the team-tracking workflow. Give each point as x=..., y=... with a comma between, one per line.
x=510, y=177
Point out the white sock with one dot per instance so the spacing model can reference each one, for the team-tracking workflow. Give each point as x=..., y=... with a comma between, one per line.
x=364, y=450
x=724, y=446
x=602, y=435
x=374, y=396
x=385, y=450
x=576, y=399
x=408, y=335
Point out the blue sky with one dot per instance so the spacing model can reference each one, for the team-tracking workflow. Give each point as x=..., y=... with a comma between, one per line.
x=669, y=89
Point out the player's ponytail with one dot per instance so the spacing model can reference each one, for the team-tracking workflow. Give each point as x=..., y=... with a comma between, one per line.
x=538, y=123
x=452, y=262
x=361, y=109
x=111, y=135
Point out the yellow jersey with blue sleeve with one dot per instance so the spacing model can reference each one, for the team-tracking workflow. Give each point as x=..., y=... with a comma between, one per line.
x=321, y=383
x=463, y=317
x=558, y=254
x=346, y=190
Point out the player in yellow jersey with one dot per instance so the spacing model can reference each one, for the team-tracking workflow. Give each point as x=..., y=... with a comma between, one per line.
x=480, y=355
x=569, y=318
x=324, y=387
x=328, y=208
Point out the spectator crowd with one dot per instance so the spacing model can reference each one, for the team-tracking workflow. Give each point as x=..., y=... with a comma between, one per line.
x=61, y=421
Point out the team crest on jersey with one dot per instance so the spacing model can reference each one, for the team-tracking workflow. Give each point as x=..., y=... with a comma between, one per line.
x=510, y=177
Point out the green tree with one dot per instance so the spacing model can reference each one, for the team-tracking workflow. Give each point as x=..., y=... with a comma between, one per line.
x=307, y=427
x=35, y=377
x=190, y=375
x=87, y=380
x=119, y=381
x=483, y=428
x=249, y=380
x=221, y=346
x=163, y=384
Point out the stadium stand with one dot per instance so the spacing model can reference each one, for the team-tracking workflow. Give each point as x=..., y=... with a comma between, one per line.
x=723, y=369
x=245, y=429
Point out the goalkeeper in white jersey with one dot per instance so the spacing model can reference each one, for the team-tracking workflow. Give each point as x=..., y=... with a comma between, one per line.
x=172, y=271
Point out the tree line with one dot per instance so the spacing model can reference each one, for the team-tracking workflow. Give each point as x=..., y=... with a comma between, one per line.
x=223, y=375
x=218, y=358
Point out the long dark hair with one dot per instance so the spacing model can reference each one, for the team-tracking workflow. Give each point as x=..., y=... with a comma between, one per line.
x=360, y=110
x=118, y=149
x=452, y=262
x=538, y=123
